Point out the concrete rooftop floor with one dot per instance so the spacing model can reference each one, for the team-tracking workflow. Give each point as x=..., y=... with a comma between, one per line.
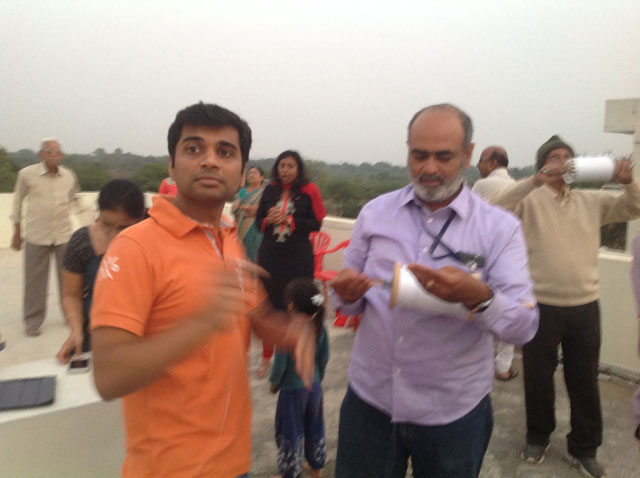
x=619, y=453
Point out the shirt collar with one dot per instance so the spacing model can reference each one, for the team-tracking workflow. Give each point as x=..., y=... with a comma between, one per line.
x=500, y=173
x=44, y=170
x=560, y=196
x=173, y=220
x=461, y=204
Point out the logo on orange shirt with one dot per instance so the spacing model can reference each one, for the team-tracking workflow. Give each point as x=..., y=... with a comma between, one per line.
x=109, y=265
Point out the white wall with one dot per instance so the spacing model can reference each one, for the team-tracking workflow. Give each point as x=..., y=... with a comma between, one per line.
x=619, y=323
x=619, y=319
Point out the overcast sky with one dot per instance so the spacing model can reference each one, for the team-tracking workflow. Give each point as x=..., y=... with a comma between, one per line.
x=337, y=80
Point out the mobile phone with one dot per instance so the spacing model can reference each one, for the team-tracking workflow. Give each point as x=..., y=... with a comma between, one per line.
x=79, y=365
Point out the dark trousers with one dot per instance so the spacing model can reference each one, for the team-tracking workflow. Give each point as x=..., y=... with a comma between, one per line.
x=300, y=430
x=283, y=266
x=371, y=446
x=578, y=330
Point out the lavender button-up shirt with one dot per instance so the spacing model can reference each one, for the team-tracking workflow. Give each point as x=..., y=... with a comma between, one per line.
x=428, y=369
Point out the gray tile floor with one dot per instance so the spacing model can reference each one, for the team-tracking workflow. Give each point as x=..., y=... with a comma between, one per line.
x=620, y=451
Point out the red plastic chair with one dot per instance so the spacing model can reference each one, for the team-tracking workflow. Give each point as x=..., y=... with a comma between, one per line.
x=320, y=242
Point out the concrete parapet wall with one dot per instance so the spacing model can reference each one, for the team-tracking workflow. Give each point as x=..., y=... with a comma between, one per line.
x=619, y=318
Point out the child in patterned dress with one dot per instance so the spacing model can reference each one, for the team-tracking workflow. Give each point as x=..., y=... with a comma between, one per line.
x=299, y=415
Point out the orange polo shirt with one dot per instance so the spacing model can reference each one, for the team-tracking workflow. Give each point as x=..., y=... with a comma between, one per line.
x=195, y=420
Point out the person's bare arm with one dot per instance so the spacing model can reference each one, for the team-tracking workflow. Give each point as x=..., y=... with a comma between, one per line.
x=275, y=216
x=19, y=193
x=16, y=240
x=250, y=211
x=72, y=292
x=124, y=362
x=287, y=332
x=351, y=285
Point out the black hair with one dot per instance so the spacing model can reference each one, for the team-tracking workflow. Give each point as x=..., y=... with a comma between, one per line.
x=306, y=299
x=201, y=114
x=467, y=124
x=301, y=179
x=122, y=195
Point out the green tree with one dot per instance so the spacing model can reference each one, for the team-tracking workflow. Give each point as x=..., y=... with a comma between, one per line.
x=151, y=175
x=24, y=157
x=316, y=171
x=91, y=175
x=7, y=172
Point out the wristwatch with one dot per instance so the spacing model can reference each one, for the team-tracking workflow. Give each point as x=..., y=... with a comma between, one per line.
x=484, y=305
x=481, y=307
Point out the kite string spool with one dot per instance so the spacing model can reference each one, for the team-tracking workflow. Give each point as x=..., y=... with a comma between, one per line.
x=584, y=169
x=407, y=292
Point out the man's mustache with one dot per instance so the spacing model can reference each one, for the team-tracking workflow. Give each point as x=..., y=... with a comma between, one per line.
x=210, y=174
x=431, y=177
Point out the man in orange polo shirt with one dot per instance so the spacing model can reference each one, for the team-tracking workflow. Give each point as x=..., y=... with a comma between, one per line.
x=173, y=305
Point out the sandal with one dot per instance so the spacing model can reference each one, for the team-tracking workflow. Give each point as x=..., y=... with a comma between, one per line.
x=307, y=467
x=509, y=375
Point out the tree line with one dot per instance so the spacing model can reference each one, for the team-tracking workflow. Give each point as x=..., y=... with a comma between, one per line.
x=345, y=187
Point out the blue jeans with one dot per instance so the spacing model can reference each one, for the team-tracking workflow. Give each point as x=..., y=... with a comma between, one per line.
x=371, y=446
x=246, y=475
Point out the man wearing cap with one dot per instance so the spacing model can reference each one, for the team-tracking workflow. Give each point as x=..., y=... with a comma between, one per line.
x=492, y=165
x=562, y=229
x=420, y=379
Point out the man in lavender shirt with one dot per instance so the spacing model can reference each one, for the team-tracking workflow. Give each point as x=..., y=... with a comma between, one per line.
x=419, y=382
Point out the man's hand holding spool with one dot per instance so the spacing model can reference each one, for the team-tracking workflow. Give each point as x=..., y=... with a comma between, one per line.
x=452, y=284
x=350, y=285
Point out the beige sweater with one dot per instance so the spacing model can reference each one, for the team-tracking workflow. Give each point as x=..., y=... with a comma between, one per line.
x=563, y=235
x=497, y=180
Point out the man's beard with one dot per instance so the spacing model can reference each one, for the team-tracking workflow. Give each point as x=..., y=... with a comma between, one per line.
x=438, y=193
